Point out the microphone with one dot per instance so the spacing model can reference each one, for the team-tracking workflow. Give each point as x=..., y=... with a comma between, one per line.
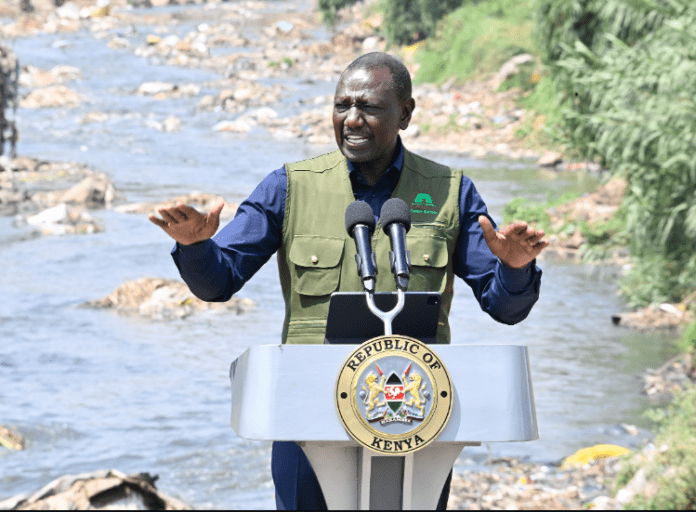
x=396, y=221
x=360, y=224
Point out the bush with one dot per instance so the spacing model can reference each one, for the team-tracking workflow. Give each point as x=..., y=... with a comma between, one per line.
x=673, y=468
x=408, y=21
x=329, y=9
x=629, y=71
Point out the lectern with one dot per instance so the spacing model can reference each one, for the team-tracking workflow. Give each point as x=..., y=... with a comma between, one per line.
x=288, y=393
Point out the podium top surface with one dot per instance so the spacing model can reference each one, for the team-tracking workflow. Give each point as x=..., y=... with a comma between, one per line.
x=286, y=393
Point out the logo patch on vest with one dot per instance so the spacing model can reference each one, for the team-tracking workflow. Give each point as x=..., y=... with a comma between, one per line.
x=394, y=395
x=423, y=203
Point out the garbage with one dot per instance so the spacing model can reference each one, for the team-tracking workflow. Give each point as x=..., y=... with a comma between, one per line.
x=101, y=490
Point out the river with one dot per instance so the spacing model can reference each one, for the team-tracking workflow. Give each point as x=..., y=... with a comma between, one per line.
x=91, y=390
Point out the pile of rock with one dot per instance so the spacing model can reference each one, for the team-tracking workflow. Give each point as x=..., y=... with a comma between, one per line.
x=163, y=299
x=655, y=316
x=104, y=489
x=199, y=200
x=675, y=375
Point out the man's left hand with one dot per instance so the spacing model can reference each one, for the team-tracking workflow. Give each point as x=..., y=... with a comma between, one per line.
x=515, y=245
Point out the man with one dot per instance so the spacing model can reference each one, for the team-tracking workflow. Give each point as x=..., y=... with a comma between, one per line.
x=298, y=210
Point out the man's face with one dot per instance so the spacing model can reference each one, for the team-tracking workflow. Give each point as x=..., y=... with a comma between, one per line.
x=367, y=116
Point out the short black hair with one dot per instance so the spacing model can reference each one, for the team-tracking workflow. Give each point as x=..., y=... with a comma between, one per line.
x=400, y=77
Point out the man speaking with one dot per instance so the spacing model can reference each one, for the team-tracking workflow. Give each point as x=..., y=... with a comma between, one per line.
x=298, y=210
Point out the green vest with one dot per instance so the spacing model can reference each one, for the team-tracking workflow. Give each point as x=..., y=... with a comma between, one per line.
x=317, y=256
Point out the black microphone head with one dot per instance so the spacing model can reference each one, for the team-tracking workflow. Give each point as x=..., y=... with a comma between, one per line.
x=359, y=212
x=395, y=210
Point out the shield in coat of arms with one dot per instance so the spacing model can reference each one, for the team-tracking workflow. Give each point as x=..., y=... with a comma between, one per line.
x=394, y=392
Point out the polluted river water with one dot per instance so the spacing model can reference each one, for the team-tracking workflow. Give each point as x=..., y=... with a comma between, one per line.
x=91, y=390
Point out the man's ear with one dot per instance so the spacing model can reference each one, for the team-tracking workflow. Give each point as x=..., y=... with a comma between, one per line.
x=406, y=113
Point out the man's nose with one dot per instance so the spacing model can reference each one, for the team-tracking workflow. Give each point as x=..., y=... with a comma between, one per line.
x=354, y=117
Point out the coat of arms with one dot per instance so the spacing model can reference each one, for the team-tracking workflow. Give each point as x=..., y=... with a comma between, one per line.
x=386, y=401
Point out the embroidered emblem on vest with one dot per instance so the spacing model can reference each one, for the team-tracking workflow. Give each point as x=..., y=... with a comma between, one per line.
x=423, y=203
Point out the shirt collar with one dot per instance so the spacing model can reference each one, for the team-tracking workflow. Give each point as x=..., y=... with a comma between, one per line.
x=393, y=171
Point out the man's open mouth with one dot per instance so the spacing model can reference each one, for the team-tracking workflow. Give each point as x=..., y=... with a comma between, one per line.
x=356, y=140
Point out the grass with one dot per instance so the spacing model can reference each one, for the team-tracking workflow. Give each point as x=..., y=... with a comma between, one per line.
x=475, y=40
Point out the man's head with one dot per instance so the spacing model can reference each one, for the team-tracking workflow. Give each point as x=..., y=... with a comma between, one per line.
x=372, y=103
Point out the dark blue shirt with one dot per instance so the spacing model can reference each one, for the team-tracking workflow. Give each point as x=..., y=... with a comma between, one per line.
x=217, y=268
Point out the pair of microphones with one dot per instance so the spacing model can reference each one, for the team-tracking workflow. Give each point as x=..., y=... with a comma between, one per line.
x=396, y=222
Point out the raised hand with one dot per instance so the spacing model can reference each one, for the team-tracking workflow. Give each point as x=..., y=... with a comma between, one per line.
x=516, y=245
x=186, y=225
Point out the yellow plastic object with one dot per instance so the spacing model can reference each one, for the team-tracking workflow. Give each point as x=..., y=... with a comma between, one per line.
x=599, y=451
x=152, y=39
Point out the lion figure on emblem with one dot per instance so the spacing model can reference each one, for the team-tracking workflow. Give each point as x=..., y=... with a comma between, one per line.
x=413, y=388
x=373, y=392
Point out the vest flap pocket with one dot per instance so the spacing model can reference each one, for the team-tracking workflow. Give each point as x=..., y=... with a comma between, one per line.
x=430, y=251
x=316, y=268
x=316, y=251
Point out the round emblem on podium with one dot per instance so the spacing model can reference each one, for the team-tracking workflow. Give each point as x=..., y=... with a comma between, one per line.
x=394, y=395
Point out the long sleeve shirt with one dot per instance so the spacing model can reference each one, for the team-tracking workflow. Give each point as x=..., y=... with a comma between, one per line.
x=217, y=268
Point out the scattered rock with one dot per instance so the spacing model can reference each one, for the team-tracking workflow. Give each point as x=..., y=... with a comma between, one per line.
x=660, y=384
x=51, y=97
x=104, y=489
x=663, y=316
x=202, y=202
x=11, y=440
x=550, y=159
x=163, y=299
x=60, y=220
x=512, y=485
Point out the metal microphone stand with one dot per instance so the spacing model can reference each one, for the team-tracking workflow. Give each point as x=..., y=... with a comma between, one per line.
x=386, y=316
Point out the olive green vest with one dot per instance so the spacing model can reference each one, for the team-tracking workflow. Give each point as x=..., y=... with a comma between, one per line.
x=317, y=256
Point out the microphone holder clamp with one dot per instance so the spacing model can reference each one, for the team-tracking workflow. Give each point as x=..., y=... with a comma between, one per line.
x=386, y=316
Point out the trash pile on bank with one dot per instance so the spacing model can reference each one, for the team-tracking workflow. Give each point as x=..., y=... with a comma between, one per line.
x=104, y=489
x=163, y=299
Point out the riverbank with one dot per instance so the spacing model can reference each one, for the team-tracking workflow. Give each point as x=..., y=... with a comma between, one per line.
x=113, y=416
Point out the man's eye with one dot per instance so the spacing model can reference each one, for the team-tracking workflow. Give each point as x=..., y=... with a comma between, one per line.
x=371, y=108
x=340, y=107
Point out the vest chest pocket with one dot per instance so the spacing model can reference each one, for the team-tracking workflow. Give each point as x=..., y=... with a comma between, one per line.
x=429, y=259
x=316, y=268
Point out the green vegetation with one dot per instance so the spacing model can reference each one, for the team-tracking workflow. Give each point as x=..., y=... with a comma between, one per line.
x=405, y=21
x=329, y=8
x=628, y=72
x=521, y=208
x=673, y=465
x=476, y=40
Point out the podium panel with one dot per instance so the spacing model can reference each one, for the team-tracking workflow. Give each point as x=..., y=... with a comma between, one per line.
x=287, y=393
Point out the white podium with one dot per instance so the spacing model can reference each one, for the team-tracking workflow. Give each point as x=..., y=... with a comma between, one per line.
x=287, y=393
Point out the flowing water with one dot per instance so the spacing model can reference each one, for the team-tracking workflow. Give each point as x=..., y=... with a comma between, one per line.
x=91, y=390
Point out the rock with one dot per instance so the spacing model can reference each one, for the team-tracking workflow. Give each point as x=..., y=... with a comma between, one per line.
x=510, y=68
x=152, y=88
x=104, y=489
x=653, y=317
x=93, y=192
x=49, y=216
x=11, y=440
x=68, y=11
x=171, y=124
x=163, y=298
x=373, y=44
x=51, y=97
x=240, y=125
x=60, y=220
x=550, y=159
x=202, y=202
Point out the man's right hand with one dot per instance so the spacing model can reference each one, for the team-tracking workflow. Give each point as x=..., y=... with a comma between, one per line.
x=186, y=225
